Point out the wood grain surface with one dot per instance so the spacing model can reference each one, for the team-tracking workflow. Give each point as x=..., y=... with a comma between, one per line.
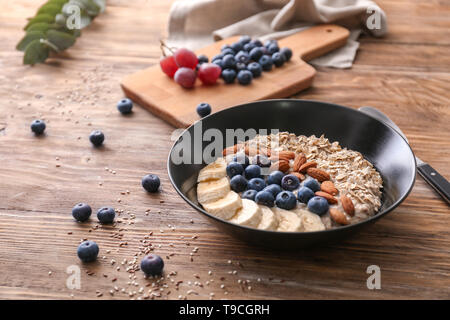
x=406, y=75
x=158, y=93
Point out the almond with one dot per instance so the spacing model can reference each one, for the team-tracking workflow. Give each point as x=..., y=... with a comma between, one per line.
x=232, y=149
x=300, y=176
x=328, y=187
x=329, y=197
x=299, y=161
x=283, y=155
x=253, y=151
x=338, y=216
x=347, y=205
x=306, y=166
x=281, y=165
x=318, y=174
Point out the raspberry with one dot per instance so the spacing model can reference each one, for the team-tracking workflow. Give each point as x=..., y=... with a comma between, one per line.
x=185, y=58
x=209, y=73
x=185, y=77
x=168, y=65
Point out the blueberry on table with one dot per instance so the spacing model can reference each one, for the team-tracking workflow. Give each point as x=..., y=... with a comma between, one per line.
x=218, y=62
x=312, y=183
x=237, y=46
x=152, y=265
x=242, y=56
x=257, y=43
x=245, y=77
x=240, y=66
x=245, y=39
x=304, y=194
x=38, y=127
x=203, y=109
x=106, y=215
x=268, y=43
x=287, y=52
x=273, y=48
x=249, y=194
x=125, y=106
x=318, y=205
x=286, y=200
x=242, y=159
x=97, y=137
x=238, y=183
x=256, y=53
x=228, y=51
x=218, y=56
x=274, y=189
x=225, y=47
x=255, y=69
x=266, y=63
x=234, y=168
x=290, y=182
x=151, y=183
x=257, y=184
x=278, y=59
x=228, y=75
x=81, y=212
x=228, y=62
x=275, y=177
x=202, y=59
x=265, y=198
x=252, y=171
x=249, y=46
x=88, y=251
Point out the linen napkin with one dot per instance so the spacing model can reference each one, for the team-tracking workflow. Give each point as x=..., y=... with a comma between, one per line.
x=197, y=23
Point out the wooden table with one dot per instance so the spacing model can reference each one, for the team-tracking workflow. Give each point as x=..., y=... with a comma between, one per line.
x=406, y=75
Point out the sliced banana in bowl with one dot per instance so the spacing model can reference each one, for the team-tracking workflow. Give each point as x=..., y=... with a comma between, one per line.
x=225, y=207
x=212, y=190
x=249, y=215
x=288, y=221
x=213, y=171
x=269, y=220
x=310, y=221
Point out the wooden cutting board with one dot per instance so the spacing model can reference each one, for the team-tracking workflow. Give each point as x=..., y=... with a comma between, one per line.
x=152, y=89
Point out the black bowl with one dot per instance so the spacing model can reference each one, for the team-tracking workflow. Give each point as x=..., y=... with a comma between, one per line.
x=379, y=143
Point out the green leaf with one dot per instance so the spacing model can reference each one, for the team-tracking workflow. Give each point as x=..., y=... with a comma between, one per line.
x=39, y=26
x=29, y=37
x=46, y=18
x=36, y=52
x=60, y=39
x=90, y=7
x=49, y=8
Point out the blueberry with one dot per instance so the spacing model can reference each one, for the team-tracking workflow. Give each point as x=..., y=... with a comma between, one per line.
x=265, y=198
x=274, y=189
x=257, y=43
x=249, y=46
x=266, y=63
x=81, y=212
x=151, y=183
x=287, y=53
x=318, y=205
x=256, y=54
x=228, y=51
x=228, y=75
x=218, y=56
x=286, y=200
x=38, y=127
x=152, y=265
x=87, y=251
x=240, y=66
x=106, y=215
x=125, y=106
x=97, y=137
x=245, y=77
x=313, y=184
x=273, y=48
x=275, y=177
x=202, y=59
x=237, y=46
x=218, y=62
x=238, y=183
x=242, y=159
x=268, y=43
x=242, y=56
x=228, y=62
x=304, y=194
x=255, y=69
x=249, y=194
x=252, y=171
x=245, y=39
x=225, y=47
x=261, y=161
x=278, y=59
x=234, y=168
x=290, y=182
x=203, y=109
x=256, y=184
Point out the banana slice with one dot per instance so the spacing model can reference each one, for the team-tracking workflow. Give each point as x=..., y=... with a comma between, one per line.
x=225, y=207
x=268, y=221
x=213, y=171
x=209, y=191
x=287, y=220
x=249, y=215
x=310, y=221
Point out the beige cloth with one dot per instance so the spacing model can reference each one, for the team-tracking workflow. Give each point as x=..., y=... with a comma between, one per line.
x=196, y=23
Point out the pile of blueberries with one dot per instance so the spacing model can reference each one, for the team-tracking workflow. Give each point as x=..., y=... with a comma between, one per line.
x=275, y=188
x=247, y=59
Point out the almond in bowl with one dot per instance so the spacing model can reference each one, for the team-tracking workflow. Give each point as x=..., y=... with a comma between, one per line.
x=338, y=186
